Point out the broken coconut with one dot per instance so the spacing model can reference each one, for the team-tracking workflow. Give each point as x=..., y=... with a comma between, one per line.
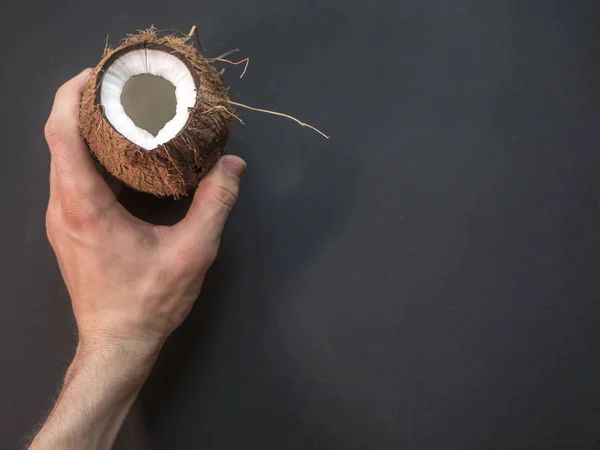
x=156, y=114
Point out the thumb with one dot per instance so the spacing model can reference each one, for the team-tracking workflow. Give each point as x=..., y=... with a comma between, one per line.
x=214, y=199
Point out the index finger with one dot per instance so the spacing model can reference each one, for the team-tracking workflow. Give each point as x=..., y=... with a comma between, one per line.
x=75, y=171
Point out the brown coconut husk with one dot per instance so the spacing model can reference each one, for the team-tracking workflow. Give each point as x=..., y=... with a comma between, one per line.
x=176, y=166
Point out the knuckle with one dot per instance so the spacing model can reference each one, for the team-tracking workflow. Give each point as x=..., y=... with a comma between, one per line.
x=224, y=196
x=51, y=218
x=79, y=216
x=80, y=221
x=52, y=132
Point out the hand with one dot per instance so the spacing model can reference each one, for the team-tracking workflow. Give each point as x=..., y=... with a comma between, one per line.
x=131, y=283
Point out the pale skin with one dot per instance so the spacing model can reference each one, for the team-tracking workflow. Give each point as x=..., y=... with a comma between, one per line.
x=131, y=283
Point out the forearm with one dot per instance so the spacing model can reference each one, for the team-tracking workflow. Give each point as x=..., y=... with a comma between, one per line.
x=100, y=386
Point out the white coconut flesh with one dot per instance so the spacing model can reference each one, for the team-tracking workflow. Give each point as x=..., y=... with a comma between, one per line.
x=146, y=95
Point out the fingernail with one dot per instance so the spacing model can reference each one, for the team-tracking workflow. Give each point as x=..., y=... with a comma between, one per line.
x=234, y=164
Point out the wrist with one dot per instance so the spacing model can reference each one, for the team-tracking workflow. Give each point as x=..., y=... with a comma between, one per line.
x=119, y=360
x=119, y=339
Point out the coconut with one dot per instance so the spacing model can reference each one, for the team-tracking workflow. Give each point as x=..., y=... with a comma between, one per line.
x=156, y=114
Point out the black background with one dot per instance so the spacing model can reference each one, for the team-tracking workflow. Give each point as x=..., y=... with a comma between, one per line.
x=429, y=278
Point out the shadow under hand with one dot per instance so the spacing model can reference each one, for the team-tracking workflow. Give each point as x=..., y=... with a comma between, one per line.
x=152, y=209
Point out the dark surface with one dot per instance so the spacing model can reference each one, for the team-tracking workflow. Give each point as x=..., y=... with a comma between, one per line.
x=427, y=279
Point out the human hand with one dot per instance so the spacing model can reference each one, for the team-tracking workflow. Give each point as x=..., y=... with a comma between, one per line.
x=131, y=283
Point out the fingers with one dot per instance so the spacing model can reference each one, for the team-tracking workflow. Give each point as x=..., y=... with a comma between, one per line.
x=214, y=199
x=76, y=175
